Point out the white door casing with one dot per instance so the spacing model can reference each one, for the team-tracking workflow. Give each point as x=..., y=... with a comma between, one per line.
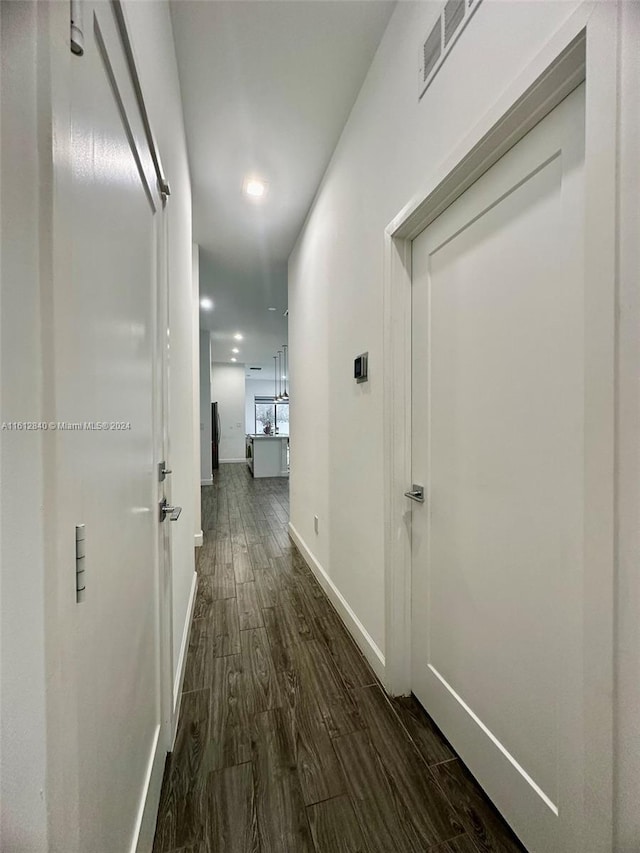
x=163, y=457
x=498, y=441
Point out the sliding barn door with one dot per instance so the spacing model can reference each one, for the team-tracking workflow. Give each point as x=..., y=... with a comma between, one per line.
x=106, y=325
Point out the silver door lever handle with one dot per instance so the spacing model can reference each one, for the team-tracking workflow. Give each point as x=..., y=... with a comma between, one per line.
x=172, y=511
x=416, y=493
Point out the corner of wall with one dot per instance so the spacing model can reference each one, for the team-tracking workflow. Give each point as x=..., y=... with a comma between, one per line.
x=357, y=630
x=195, y=358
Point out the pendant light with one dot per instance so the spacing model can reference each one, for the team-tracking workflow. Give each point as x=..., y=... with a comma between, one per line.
x=285, y=393
x=275, y=378
x=279, y=397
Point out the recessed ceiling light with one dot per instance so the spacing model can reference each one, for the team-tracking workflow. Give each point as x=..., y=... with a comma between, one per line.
x=206, y=303
x=272, y=309
x=237, y=336
x=235, y=349
x=254, y=188
x=234, y=359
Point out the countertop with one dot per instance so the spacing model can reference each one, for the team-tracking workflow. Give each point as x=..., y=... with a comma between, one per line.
x=272, y=437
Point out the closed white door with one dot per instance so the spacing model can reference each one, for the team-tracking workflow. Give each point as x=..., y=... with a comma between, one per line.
x=111, y=370
x=498, y=440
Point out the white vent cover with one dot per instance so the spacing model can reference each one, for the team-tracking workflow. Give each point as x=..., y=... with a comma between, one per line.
x=431, y=51
x=454, y=17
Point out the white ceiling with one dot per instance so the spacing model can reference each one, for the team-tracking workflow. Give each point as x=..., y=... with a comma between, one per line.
x=267, y=87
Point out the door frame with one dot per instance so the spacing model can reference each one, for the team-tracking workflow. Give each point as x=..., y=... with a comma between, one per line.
x=169, y=704
x=585, y=47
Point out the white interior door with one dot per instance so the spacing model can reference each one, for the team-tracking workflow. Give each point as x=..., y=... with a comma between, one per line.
x=498, y=441
x=111, y=371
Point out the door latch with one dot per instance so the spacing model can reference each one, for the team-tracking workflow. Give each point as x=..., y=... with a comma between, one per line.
x=172, y=511
x=416, y=493
x=163, y=471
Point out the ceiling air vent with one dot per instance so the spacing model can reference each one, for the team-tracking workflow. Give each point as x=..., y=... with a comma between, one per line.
x=452, y=20
x=453, y=15
x=431, y=50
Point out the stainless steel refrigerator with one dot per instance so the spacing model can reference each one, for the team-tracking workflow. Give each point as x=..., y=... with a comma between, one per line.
x=215, y=436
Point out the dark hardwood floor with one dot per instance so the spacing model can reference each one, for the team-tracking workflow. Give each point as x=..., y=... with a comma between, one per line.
x=286, y=741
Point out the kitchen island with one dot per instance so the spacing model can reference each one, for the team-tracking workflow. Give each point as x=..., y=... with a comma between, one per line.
x=267, y=455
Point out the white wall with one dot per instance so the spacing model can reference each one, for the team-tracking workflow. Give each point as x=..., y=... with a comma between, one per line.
x=206, y=473
x=23, y=789
x=227, y=389
x=197, y=497
x=255, y=388
x=152, y=38
x=627, y=781
x=391, y=146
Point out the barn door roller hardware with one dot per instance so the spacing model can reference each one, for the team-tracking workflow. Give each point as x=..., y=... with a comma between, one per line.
x=163, y=183
x=77, y=29
x=77, y=47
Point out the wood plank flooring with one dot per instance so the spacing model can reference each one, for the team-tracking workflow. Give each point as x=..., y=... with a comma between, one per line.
x=286, y=742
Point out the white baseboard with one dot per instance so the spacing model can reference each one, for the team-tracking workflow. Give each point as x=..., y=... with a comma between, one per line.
x=355, y=627
x=198, y=539
x=226, y=461
x=142, y=841
x=182, y=659
x=208, y=482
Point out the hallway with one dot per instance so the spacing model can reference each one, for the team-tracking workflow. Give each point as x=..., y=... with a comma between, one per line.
x=389, y=249
x=286, y=742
